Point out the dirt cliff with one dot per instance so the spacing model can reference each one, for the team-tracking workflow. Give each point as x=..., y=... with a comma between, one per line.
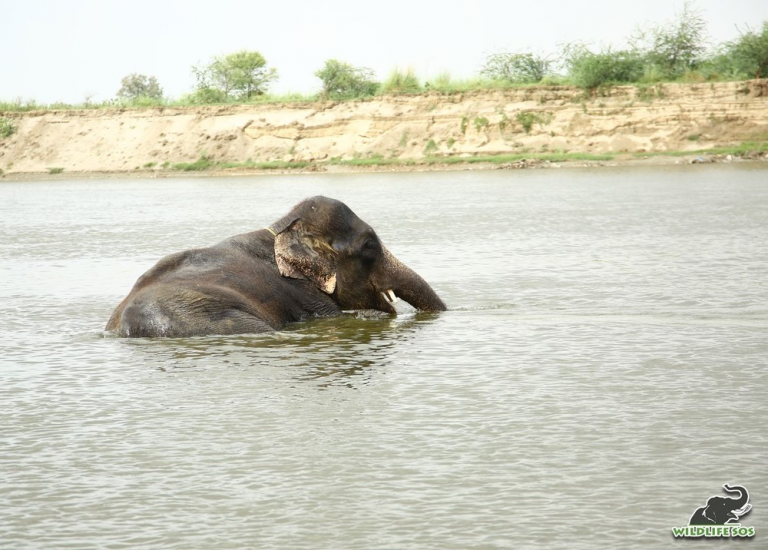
x=628, y=119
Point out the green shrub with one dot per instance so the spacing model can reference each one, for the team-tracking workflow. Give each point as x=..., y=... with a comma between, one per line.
x=7, y=127
x=749, y=54
x=203, y=163
x=205, y=96
x=648, y=93
x=527, y=120
x=145, y=102
x=590, y=70
x=55, y=170
x=430, y=148
x=516, y=67
x=503, y=122
x=444, y=83
x=480, y=123
x=399, y=82
x=19, y=105
x=343, y=81
x=464, y=124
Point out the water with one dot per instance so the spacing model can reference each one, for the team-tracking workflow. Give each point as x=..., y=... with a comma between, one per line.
x=603, y=369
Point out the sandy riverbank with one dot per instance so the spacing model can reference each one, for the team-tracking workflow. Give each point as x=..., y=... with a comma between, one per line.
x=625, y=122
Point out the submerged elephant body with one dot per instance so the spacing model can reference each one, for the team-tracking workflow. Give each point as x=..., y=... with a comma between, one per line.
x=318, y=260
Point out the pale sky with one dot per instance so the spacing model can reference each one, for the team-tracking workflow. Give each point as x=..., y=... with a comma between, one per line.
x=64, y=50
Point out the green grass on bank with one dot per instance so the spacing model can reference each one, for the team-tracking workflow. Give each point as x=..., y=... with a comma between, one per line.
x=743, y=149
x=205, y=163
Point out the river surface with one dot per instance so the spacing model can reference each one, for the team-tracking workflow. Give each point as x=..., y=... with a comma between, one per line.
x=602, y=370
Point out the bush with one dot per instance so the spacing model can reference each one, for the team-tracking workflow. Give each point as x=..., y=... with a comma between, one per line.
x=520, y=68
x=398, y=82
x=343, y=81
x=138, y=86
x=749, y=54
x=205, y=96
x=590, y=70
x=7, y=128
x=527, y=120
x=444, y=83
x=138, y=102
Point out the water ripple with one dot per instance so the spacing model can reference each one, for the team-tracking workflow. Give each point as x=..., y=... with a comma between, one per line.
x=605, y=352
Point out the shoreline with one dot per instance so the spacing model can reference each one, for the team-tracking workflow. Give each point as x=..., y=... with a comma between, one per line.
x=621, y=161
x=524, y=128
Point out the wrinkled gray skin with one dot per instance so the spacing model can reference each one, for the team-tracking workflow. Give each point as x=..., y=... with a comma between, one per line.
x=321, y=259
x=722, y=510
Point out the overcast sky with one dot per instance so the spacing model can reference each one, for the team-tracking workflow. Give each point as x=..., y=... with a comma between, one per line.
x=64, y=50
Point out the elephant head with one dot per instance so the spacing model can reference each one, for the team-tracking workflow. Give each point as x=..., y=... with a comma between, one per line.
x=323, y=241
x=722, y=510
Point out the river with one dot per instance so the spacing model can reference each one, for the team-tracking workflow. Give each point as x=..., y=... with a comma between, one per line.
x=601, y=372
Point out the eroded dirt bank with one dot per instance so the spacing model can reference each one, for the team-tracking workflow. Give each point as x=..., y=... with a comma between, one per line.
x=625, y=119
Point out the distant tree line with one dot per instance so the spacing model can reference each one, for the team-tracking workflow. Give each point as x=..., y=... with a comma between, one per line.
x=676, y=51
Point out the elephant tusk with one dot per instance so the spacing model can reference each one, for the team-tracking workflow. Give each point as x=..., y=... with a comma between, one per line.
x=389, y=296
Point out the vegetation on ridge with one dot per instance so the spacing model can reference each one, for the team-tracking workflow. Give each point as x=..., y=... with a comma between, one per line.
x=677, y=51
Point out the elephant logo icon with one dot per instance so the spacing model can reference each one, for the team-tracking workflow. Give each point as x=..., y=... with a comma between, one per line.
x=723, y=510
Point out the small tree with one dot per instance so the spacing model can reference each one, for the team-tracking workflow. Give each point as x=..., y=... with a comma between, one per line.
x=749, y=54
x=135, y=86
x=516, y=67
x=241, y=75
x=342, y=80
x=676, y=47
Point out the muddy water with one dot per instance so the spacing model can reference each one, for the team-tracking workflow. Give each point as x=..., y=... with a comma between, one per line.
x=602, y=371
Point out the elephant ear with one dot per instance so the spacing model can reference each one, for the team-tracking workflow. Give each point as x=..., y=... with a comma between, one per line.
x=302, y=255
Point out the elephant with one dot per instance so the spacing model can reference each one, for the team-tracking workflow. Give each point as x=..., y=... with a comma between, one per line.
x=317, y=261
x=722, y=510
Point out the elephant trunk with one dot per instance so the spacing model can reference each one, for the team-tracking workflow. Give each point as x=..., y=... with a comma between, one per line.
x=738, y=503
x=408, y=285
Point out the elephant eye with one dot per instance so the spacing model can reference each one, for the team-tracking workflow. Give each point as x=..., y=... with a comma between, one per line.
x=369, y=248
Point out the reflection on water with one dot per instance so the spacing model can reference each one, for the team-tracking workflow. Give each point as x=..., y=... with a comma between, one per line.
x=604, y=352
x=330, y=351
